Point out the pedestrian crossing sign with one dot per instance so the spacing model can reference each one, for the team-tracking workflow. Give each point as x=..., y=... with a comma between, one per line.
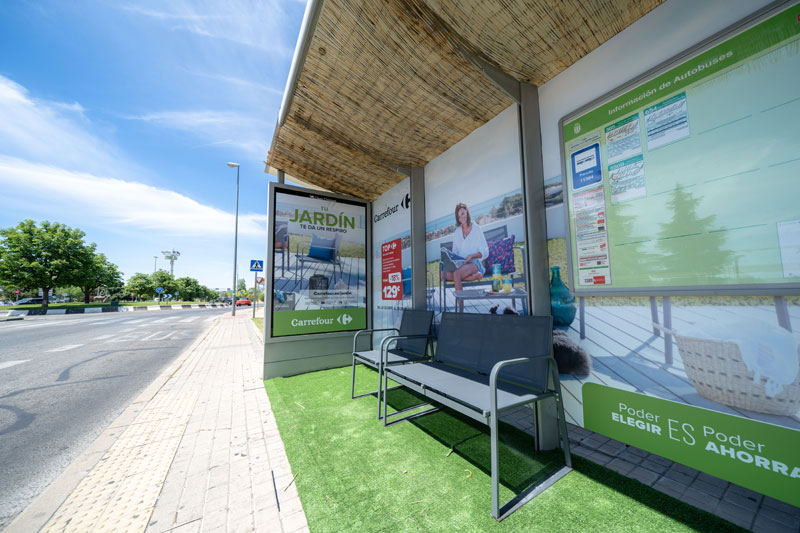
x=255, y=265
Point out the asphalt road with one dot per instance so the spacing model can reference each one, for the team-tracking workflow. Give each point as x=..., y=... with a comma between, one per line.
x=64, y=379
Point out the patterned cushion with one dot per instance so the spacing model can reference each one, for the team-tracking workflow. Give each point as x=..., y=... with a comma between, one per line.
x=502, y=252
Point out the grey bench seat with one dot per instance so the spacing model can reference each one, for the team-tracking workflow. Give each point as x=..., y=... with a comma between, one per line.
x=467, y=387
x=483, y=365
x=393, y=357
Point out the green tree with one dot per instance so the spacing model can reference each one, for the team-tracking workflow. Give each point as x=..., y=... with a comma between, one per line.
x=211, y=294
x=141, y=285
x=165, y=280
x=41, y=257
x=188, y=288
x=241, y=285
x=75, y=293
x=98, y=272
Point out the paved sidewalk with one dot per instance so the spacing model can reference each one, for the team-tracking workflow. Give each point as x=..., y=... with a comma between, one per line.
x=199, y=450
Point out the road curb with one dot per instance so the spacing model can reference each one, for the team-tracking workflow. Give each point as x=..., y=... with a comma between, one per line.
x=259, y=333
x=39, y=512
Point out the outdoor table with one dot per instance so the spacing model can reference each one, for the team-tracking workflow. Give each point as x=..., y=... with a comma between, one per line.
x=478, y=294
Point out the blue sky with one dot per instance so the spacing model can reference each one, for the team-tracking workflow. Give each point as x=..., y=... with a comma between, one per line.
x=117, y=117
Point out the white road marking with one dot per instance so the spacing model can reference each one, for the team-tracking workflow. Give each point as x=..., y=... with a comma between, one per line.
x=165, y=337
x=211, y=319
x=8, y=364
x=105, y=321
x=102, y=337
x=161, y=320
x=65, y=348
x=136, y=321
x=191, y=318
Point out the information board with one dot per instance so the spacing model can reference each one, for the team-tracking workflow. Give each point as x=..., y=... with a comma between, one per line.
x=690, y=179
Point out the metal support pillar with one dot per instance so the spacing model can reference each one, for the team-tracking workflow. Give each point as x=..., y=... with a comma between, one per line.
x=255, y=293
x=533, y=192
x=582, y=317
x=418, y=260
x=281, y=176
x=536, y=240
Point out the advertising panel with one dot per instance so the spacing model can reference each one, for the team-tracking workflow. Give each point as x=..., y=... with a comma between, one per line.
x=690, y=196
x=475, y=223
x=320, y=267
x=760, y=456
x=391, y=258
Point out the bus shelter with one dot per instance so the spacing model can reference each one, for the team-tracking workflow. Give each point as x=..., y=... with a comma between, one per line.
x=640, y=157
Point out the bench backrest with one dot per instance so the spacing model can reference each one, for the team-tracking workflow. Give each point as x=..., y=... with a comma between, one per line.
x=478, y=341
x=415, y=322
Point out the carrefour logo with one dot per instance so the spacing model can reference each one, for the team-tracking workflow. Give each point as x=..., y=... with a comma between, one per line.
x=342, y=319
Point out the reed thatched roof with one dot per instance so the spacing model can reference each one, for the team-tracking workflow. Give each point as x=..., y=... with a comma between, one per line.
x=387, y=83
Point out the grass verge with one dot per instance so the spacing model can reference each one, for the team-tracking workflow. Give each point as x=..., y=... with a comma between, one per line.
x=432, y=474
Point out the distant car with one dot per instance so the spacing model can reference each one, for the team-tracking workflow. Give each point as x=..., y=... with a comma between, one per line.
x=28, y=301
x=242, y=301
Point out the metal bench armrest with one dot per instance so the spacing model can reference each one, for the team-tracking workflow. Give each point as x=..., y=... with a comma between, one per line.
x=495, y=375
x=359, y=332
x=394, y=338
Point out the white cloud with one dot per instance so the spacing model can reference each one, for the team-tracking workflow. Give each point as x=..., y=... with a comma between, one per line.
x=53, y=167
x=39, y=130
x=128, y=204
x=238, y=82
x=249, y=135
x=236, y=21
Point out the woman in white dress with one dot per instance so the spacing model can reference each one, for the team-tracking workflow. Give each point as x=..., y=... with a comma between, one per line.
x=470, y=245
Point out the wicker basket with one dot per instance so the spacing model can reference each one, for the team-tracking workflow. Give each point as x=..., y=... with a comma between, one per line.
x=717, y=371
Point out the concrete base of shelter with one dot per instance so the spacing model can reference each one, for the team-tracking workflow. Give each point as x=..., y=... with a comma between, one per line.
x=291, y=356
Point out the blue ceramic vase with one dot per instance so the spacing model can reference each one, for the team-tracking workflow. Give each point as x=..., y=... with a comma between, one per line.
x=562, y=302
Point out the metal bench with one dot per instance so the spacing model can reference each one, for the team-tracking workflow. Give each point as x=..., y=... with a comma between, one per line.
x=483, y=365
x=411, y=347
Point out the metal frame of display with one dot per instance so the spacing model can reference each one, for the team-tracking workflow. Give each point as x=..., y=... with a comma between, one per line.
x=275, y=188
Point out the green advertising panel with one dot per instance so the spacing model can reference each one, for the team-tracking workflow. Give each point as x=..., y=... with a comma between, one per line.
x=756, y=455
x=319, y=275
x=317, y=321
x=689, y=179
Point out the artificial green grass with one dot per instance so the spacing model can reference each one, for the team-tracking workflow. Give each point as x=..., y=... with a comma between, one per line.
x=432, y=473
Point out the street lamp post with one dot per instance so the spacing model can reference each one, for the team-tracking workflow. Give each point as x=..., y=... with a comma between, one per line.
x=155, y=261
x=235, y=240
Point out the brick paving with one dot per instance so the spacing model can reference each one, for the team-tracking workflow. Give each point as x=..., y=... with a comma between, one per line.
x=202, y=453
